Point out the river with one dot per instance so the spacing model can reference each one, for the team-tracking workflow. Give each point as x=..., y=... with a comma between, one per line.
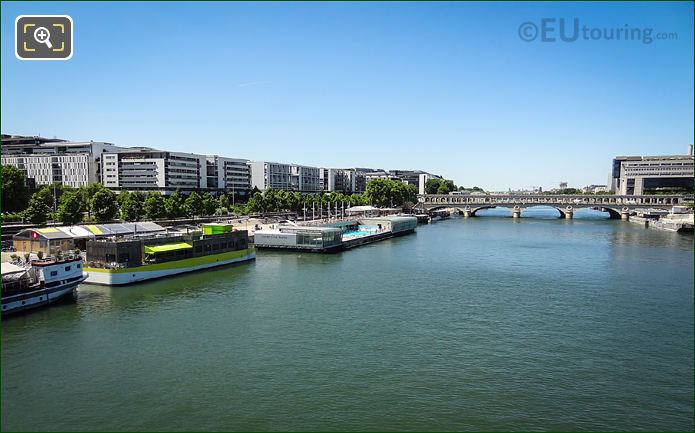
x=469, y=324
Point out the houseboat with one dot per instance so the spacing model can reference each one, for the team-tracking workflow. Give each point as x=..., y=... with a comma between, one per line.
x=39, y=283
x=118, y=260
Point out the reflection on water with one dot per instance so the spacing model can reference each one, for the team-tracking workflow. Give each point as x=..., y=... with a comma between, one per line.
x=93, y=298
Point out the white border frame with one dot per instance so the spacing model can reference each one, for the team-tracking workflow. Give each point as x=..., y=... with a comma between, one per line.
x=72, y=39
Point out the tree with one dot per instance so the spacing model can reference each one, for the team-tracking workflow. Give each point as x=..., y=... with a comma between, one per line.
x=385, y=192
x=103, y=205
x=131, y=206
x=257, y=203
x=174, y=205
x=209, y=204
x=51, y=194
x=37, y=211
x=570, y=191
x=193, y=205
x=446, y=186
x=70, y=208
x=223, y=202
x=432, y=185
x=86, y=193
x=439, y=186
x=155, y=206
x=15, y=193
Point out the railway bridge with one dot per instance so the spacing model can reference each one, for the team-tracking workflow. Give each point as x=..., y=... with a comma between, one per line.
x=617, y=206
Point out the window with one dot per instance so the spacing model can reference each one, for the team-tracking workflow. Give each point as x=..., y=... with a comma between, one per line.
x=79, y=265
x=67, y=268
x=54, y=273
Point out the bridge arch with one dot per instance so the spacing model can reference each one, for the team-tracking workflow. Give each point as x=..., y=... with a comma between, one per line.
x=613, y=213
x=475, y=210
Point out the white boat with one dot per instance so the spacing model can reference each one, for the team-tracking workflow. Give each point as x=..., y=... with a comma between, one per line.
x=40, y=283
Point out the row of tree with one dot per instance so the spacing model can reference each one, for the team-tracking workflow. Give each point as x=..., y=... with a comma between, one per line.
x=95, y=203
x=445, y=186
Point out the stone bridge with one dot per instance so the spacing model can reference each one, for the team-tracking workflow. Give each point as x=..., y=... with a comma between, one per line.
x=617, y=206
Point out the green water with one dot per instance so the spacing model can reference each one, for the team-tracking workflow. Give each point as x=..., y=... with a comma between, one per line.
x=469, y=324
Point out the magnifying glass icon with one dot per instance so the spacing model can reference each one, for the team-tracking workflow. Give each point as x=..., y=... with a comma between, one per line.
x=43, y=36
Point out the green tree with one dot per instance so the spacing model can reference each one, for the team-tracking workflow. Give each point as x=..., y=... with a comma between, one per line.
x=86, y=193
x=175, y=205
x=446, y=186
x=103, y=206
x=439, y=186
x=569, y=191
x=155, y=206
x=70, y=208
x=193, y=205
x=257, y=203
x=131, y=206
x=15, y=193
x=432, y=185
x=223, y=202
x=37, y=211
x=51, y=194
x=209, y=204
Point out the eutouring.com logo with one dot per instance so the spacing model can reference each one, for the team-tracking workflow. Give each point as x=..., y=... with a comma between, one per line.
x=571, y=30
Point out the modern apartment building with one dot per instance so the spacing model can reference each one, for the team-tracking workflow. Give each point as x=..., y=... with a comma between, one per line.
x=346, y=181
x=290, y=177
x=50, y=160
x=637, y=175
x=146, y=169
x=230, y=175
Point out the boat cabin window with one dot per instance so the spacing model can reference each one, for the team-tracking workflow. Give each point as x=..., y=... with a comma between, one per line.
x=54, y=273
x=67, y=268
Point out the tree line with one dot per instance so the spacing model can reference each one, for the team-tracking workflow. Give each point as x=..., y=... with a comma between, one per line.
x=445, y=186
x=95, y=203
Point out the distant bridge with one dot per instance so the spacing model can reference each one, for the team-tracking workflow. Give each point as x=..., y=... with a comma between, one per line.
x=617, y=206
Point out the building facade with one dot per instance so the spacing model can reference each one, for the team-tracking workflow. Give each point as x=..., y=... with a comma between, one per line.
x=415, y=177
x=637, y=175
x=228, y=175
x=146, y=169
x=289, y=177
x=346, y=181
x=46, y=161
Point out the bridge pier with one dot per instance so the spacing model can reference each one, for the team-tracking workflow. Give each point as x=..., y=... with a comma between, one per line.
x=467, y=213
x=516, y=212
x=625, y=214
x=569, y=213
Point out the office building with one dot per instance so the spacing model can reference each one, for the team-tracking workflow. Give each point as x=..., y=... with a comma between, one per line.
x=228, y=175
x=50, y=160
x=418, y=178
x=637, y=175
x=146, y=169
x=381, y=174
x=346, y=181
x=289, y=177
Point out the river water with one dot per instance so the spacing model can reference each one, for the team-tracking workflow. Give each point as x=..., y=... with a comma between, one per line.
x=469, y=324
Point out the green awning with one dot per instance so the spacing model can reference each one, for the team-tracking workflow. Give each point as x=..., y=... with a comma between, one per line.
x=166, y=247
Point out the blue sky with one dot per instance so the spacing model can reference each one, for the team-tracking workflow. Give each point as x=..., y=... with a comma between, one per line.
x=445, y=87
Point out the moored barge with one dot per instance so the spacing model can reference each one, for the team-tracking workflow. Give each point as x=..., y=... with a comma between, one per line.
x=39, y=283
x=125, y=260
